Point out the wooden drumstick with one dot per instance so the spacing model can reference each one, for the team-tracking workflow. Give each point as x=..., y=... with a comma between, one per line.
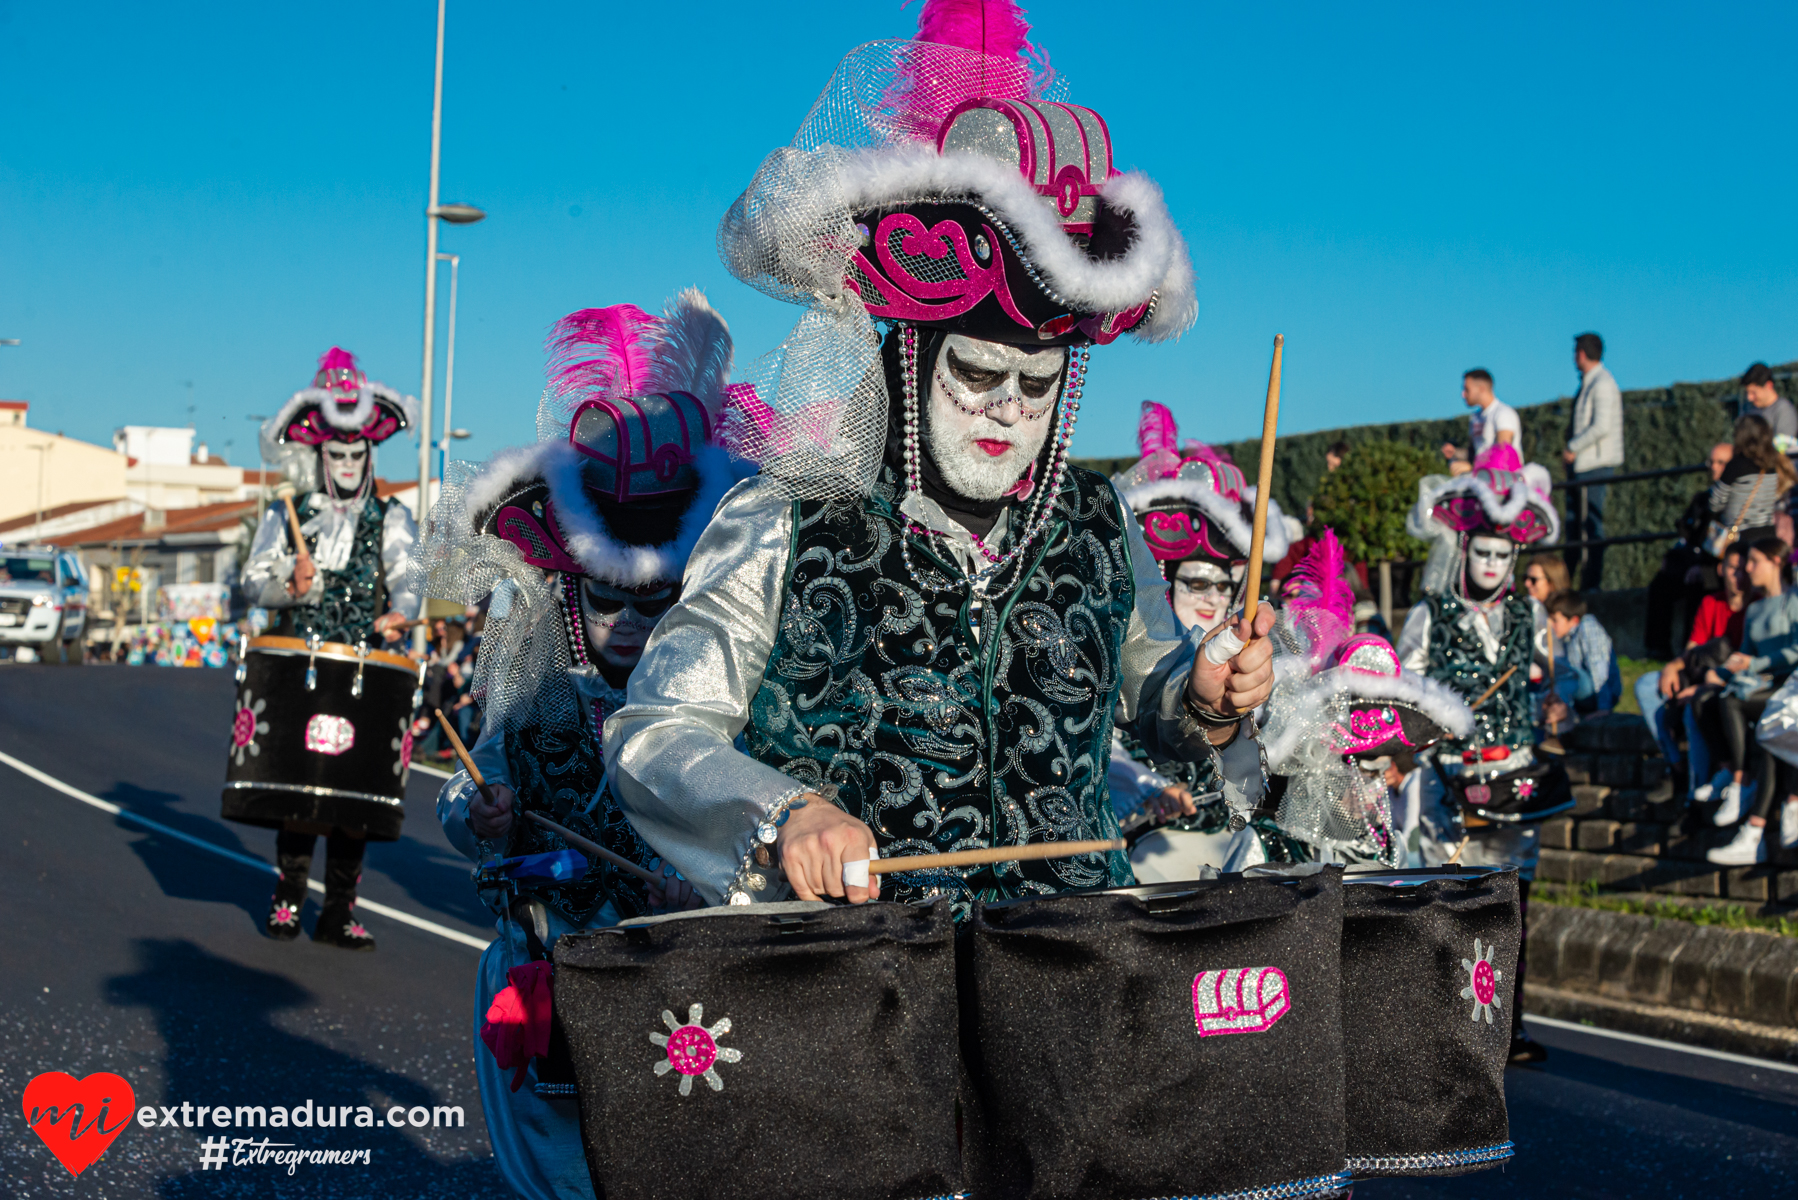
x=301, y=554
x=595, y=850
x=992, y=854
x=455, y=742
x=1264, y=482
x=1496, y=684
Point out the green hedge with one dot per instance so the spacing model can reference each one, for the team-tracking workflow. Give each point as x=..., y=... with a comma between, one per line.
x=1662, y=427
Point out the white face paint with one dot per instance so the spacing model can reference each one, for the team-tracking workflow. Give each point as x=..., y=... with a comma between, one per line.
x=618, y=622
x=345, y=465
x=1489, y=562
x=990, y=410
x=1202, y=592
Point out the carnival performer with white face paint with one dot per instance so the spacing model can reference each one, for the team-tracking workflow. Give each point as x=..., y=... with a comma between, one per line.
x=1485, y=795
x=577, y=544
x=921, y=620
x=350, y=588
x=1196, y=511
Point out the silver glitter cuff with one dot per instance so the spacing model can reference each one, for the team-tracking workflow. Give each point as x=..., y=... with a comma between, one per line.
x=752, y=872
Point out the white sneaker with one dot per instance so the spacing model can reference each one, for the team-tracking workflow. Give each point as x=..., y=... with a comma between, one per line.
x=1747, y=849
x=1704, y=791
x=1788, y=824
x=1735, y=797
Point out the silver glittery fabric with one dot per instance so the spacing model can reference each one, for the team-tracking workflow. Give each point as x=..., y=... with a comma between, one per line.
x=678, y=774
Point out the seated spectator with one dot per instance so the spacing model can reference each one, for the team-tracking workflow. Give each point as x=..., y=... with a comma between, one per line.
x=1746, y=495
x=1749, y=677
x=1544, y=575
x=1493, y=423
x=1778, y=412
x=1586, y=679
x=1688, y=571
x=1678, y=694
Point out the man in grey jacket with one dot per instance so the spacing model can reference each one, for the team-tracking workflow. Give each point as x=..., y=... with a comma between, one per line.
x=1594, y=452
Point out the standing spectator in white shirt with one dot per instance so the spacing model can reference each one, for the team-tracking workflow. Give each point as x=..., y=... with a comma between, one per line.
x=1493, y=422
x=1594, y=452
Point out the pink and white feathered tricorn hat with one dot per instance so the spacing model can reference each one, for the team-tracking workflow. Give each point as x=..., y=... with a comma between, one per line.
x=341, y=405
x=1501, y=497
x=628, y=452
x=1192, y=502
x=944, y=181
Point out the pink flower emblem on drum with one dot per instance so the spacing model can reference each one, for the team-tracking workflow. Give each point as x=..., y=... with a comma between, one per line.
x=402, y=746
x=326, y=734
x=1239, y=1000
x=245, y=726
x=691, y=1049
x=1526, y=788
x=1482, y=982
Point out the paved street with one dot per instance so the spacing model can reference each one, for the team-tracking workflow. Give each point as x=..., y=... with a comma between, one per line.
x=136, y=953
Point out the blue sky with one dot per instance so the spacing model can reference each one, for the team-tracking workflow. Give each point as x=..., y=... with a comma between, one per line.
x=216, y=193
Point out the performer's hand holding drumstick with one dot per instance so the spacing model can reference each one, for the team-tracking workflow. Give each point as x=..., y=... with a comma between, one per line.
x=815, y=842
x=1233, y=673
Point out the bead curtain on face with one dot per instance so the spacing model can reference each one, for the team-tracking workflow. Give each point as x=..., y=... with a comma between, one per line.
x=346, y=463
x=989, y=404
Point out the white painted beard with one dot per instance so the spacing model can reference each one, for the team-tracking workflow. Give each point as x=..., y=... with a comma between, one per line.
x=972, y=472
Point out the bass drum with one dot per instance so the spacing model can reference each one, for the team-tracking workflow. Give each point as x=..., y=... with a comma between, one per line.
x=321, y=736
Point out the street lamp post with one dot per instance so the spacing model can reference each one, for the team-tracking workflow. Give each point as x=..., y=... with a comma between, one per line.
x=456, y=214
x=449, y=367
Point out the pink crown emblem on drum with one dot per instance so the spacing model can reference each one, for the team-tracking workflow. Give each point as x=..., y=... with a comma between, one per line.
x=1239, y=1000
x=327, y=734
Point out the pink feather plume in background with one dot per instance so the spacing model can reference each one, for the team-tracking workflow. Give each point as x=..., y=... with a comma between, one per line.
x=931, y=83
x=625, y=337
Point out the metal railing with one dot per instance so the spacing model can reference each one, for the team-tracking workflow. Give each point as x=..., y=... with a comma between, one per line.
x=1585, y=545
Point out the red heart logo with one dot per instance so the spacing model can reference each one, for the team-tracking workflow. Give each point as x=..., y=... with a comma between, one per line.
x=75, y=1116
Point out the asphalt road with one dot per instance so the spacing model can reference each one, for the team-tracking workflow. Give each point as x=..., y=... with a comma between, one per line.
x=135, y=953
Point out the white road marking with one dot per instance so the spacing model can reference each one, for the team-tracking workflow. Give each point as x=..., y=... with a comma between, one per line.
x=429, y=770
x=107, y=806
x=1640, y=1040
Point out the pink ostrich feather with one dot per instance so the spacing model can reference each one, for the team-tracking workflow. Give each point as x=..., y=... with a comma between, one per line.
x=625, y=337
x=932, y=82
x=1320, y=600
x=1156, y=431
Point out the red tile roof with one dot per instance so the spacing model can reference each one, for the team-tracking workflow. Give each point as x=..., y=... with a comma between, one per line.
x=207, y=518
x=51, y=514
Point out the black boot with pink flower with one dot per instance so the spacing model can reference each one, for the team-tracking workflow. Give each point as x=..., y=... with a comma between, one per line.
x=293, y=855
x=337, y=924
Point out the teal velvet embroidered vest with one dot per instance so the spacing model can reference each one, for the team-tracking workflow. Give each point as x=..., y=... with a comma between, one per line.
x=1458, y=659
x=353, y=597
x=940, y=740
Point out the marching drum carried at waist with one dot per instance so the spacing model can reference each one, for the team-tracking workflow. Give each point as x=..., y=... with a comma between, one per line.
x=321, y=735
x=1177, y=1039
x=1428, y=982
x=796, y=1049
x=1508, y=789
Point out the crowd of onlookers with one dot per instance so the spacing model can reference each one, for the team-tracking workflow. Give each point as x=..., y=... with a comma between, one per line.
x=449, y=680
x=1722, y=612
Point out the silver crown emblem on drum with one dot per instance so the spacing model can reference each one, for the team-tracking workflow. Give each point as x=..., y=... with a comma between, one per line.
x=1239, y=1000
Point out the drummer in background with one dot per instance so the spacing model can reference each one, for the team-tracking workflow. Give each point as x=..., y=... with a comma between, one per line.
x=582, y=555
x=349, y=588
x=920, y=619
x=1467, y=632
x=1196, y=511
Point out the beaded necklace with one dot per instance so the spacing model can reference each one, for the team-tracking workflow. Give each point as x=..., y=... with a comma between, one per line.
x=980, y=582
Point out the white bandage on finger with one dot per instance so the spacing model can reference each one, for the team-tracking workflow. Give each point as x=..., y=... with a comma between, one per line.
x=855, y=874
x=1223, y=646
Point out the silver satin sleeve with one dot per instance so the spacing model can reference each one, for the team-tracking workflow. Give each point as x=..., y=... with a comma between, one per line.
x=1156, y=662
x=264, y=577
x=399, y=534
x=1414, y=642
x=692, y=795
